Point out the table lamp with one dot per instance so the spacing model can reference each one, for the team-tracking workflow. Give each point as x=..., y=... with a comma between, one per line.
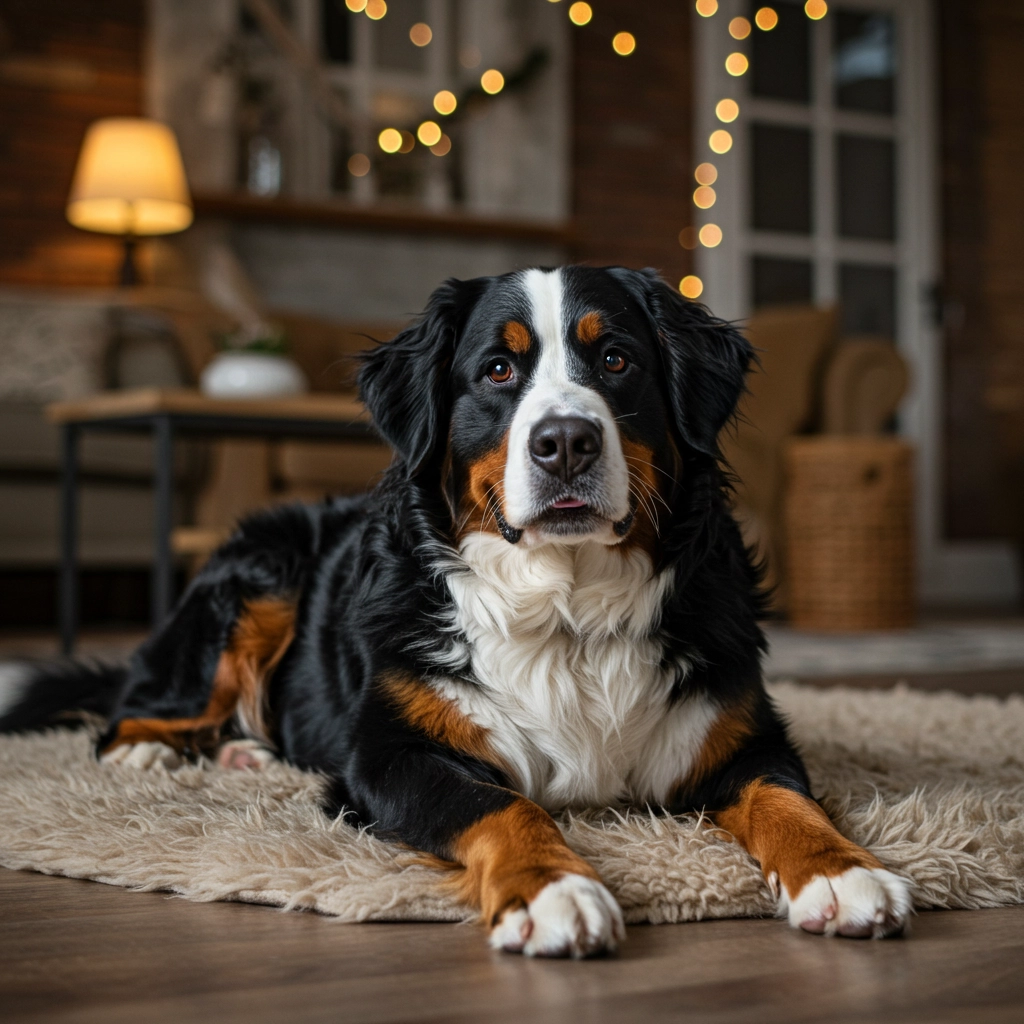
x=129, y=182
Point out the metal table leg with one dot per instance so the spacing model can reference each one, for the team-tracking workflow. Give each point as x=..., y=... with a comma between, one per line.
x=163, y=497
x=67, y=592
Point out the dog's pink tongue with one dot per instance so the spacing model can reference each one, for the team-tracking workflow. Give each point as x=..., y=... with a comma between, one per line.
x=569, y=503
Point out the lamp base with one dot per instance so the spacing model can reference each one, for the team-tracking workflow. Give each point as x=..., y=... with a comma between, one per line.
x=129, y=271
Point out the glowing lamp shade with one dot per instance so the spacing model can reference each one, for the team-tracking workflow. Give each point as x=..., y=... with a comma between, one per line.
x=130, y=180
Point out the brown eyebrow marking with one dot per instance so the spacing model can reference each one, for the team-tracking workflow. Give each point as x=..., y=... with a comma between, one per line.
x=517, y=337
x=590, y=327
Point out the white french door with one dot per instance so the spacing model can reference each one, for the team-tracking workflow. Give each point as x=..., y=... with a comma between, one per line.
x=828, y=194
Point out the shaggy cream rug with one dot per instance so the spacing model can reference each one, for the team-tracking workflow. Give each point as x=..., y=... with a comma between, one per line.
x=933, y=784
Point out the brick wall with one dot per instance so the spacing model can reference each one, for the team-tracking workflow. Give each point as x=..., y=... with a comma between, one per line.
x=982, y=72
x=631, y=137
x=63, y=63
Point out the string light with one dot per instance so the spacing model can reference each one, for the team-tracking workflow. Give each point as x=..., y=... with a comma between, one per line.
x=376, y=9
x=358, y=165
x=720, y=141
x=356, y=7
x=710, y=235
x=492, y=82
x=429, y=133
x=705, y=8
x=581, y=13
x=706, y=174
x=445, y=102
x=704, y=197
x=816, y=9
x=443, y=146
x=421, y=34
x=390, y=140
x=624, y=43
x=727, y=110
x=688, y=238
x=736, y=64
x=691, y=286
x=408, y=142
x=766, y=19
x=739, y=28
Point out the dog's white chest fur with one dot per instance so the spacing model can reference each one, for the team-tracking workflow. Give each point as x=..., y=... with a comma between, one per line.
x=570, y=685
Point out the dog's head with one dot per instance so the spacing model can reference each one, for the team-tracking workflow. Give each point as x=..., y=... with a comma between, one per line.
x=557, y=405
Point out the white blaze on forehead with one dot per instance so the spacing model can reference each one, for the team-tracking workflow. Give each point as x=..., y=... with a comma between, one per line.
x=544, y=293
x=552, y=391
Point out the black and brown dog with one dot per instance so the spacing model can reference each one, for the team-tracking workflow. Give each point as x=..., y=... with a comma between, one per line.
x=545, y=604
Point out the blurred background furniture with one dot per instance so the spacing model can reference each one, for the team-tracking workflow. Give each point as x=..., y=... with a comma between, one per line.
x=167, y=414
x=809, y=381
x=849, y=533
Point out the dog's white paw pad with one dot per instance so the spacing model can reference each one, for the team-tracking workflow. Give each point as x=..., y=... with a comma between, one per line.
x=146, y=755
x=244, y=754
x=575, y=916
x=859, y=903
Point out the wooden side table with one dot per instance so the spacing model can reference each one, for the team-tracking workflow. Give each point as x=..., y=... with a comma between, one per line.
x=168, y=414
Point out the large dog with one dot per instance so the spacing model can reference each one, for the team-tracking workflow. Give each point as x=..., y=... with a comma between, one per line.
x=545, y=604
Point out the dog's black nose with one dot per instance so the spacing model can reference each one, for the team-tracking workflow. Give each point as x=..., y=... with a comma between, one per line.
x=565, y=446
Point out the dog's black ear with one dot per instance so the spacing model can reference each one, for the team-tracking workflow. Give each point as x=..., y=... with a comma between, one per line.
x=405, y=382
x=706, y=359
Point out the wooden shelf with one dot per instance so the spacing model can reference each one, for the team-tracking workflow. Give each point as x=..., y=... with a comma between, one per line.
x=360, y=218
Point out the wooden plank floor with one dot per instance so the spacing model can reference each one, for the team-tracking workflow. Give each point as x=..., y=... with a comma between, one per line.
x=84, y=952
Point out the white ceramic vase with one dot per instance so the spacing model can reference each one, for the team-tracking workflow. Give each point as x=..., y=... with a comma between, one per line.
x=251, y=375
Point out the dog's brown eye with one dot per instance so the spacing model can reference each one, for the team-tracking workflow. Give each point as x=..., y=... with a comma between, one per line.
x=615, y=362
x=500, y=372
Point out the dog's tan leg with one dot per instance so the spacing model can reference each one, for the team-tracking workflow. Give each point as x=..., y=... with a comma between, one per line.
x=825, y=883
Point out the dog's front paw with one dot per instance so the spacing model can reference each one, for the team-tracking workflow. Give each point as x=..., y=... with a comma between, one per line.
x=244, y=754
x=146, y=755
x=574, y=916
x=859, y=903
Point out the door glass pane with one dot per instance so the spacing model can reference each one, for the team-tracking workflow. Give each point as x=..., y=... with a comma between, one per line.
x=864, y=66
x=780, y=60
x=336, y=23
x=778, y=280
x=781, y=177
x=395, y=50
x=867, y=187
x=868, y=297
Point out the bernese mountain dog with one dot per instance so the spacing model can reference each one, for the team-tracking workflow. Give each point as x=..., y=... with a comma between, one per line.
x=544, y=605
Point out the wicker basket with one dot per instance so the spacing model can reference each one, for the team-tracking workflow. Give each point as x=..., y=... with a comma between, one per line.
x=850, y=533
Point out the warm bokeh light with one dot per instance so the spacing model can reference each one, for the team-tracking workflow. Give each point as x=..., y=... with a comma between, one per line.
x=129, y=180
x=705, y=8
x=816, y=9
x=581, y=13
x=691, y=286
x=445, y=102
x=739, y=28
x=704, y=197
x=766, y=19
x=720, y=141
x=736, y=64
x=469, y=57
x=443, y=146
x=727, y=110
x=420, y=33
x=492, y=82
x=408, y=142
x=429, y=133
x=356, y=5
x=624, y=43
x=710, y=235
x=706, y=174
x=688, y=238
x=376, y=9
x=358, y=165
x=390, y=140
